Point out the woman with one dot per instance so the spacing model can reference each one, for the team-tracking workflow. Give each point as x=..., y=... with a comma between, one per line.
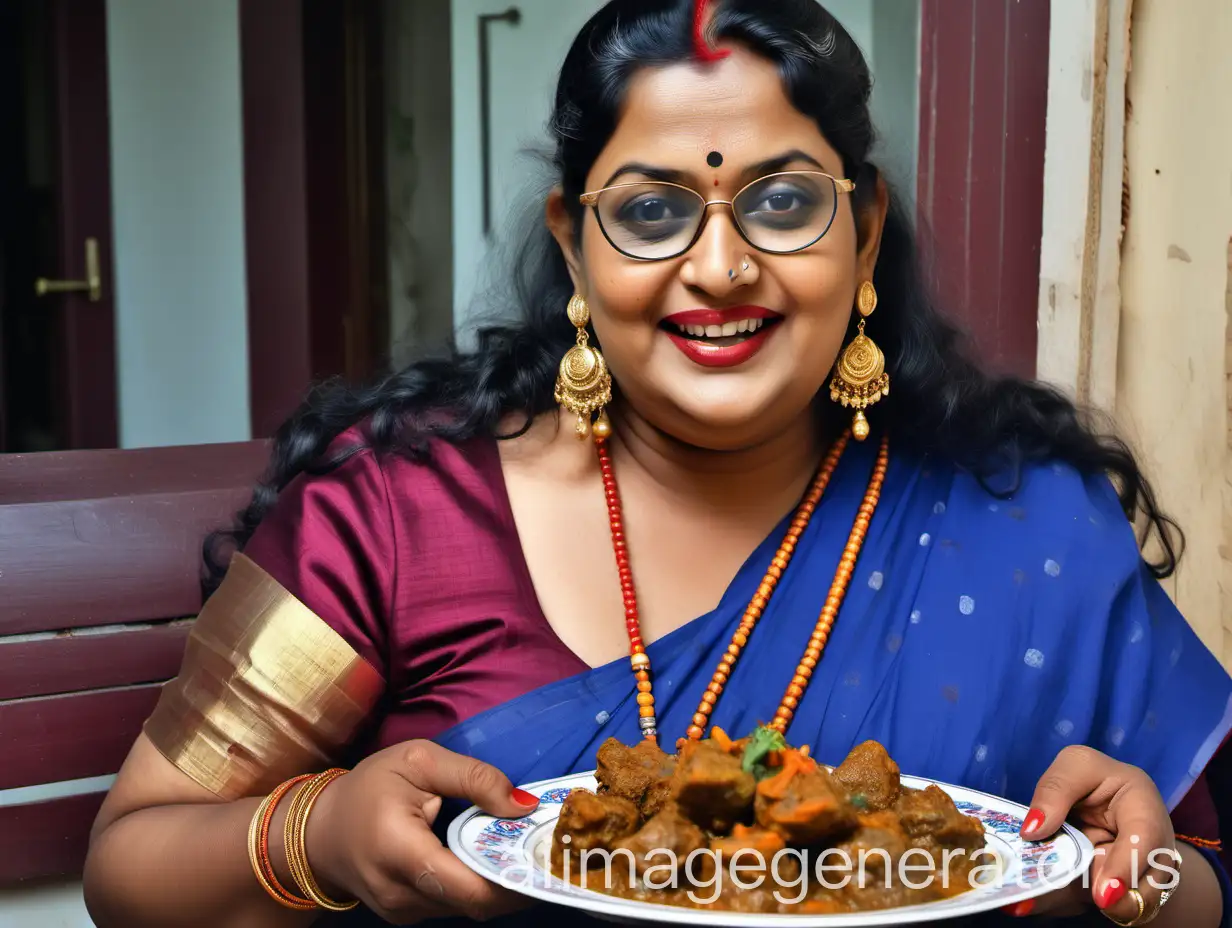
x=441, y=588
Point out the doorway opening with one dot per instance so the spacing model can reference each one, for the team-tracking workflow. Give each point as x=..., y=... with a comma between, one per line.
x=29, y=362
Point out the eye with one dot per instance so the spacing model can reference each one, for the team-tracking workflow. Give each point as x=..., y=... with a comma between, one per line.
x=648, y=210
x=782, y=204
x=783, y=200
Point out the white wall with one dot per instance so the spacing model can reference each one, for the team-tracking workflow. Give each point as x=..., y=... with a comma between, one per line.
x=177, y=195
x=525, y=60
x=419, y=172
x=896, y=91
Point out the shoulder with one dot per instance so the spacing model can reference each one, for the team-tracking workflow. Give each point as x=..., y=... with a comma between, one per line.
x=1051, y=509
x=355, y=475
x=361, y=501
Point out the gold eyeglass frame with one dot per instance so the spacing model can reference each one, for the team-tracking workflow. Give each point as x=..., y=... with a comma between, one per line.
x=842, y=185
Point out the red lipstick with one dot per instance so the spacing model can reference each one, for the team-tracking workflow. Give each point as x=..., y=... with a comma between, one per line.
x=708, y=354
x=719, y=316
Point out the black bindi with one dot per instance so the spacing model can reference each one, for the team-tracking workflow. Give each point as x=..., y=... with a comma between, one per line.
x=714, y=159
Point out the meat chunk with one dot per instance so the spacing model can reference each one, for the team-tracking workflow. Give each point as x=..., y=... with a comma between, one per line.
x=874, y=849
x=931, y=820
x=870, y=776
x=808, y=809
x=642, y=774
x=762, y=841
x=711, y=787
x=671, y=835
x=592, y=821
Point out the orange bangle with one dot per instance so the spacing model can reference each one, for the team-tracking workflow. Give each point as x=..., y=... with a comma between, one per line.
x=268, y=865
x=1206, y=843
x=258, y=849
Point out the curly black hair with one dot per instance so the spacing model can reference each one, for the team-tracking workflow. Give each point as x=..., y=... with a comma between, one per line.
x=943, y=403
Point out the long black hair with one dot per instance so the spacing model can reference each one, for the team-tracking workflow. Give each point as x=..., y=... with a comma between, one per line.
x=942, y=403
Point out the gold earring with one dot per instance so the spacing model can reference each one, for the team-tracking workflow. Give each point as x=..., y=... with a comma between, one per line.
x=583, y=385
x=860, y=377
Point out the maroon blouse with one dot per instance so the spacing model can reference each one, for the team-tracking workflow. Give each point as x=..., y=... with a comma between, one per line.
x=418, y=565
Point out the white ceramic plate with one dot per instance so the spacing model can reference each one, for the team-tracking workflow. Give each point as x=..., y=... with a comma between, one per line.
x=513, y=853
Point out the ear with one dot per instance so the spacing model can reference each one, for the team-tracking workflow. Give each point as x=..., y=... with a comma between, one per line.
x=870, y=223
x=560, y=224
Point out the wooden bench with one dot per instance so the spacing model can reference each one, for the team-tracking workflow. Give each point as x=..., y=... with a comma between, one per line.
x=100, y=569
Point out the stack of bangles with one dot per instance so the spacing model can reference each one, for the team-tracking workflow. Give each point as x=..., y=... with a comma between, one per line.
x=294, y=844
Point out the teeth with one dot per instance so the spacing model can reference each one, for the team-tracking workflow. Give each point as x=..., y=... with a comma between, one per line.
x=726, y=330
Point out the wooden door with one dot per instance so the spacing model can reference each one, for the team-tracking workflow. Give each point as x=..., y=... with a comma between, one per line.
x=57, y=312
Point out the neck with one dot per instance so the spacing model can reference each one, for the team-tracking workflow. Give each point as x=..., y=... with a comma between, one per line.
x=773, y=473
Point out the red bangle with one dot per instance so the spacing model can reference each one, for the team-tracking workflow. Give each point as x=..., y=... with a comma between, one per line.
x=259, y=849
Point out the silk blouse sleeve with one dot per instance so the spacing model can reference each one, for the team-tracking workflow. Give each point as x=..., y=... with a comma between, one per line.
x=286, y=661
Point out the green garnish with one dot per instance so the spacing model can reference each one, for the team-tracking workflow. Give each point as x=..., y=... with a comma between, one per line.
x=763, y=741
x=860, y=802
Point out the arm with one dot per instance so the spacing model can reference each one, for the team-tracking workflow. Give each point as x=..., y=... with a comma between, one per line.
x=167, y=852
x=277, y=677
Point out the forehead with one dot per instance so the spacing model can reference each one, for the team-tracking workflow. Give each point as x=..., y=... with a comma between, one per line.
x=674, y=116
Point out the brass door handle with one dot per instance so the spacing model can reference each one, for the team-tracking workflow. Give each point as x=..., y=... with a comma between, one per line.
x=93, y=284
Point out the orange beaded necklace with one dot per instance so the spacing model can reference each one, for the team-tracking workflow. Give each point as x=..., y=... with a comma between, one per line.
x=640, y=660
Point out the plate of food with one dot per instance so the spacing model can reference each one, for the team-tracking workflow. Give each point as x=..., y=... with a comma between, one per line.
x=755, y=832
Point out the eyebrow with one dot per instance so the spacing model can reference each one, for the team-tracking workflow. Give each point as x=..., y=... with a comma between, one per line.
x=671, y=176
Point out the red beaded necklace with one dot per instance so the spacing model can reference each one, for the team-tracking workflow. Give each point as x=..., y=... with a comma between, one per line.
x=640, y=660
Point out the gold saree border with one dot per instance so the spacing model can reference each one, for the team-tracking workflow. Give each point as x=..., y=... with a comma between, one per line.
x=267, y=690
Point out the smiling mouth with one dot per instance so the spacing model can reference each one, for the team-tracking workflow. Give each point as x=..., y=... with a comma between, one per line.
x=721, y=336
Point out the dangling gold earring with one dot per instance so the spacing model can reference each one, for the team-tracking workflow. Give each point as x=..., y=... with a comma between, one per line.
x=583, y=385
x=860, y=377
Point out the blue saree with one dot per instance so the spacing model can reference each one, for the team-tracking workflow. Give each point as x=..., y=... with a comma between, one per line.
x=979, y=636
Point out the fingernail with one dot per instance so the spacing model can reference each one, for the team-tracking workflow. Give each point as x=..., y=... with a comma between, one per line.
x=430, y=886
x=1031, y=824
x=1020, y=909
x=523, y=798
x=1111, y=894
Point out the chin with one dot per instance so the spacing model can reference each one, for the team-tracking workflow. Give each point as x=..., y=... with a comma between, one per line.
x=724, y=427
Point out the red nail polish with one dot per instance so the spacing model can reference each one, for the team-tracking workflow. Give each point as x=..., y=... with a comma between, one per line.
x=1020, y=909
x=523, y=798
x=1113, y=891
x=1032, y=822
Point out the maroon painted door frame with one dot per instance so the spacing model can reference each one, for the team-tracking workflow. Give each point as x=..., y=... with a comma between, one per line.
x=313, y=198
x=275, y=209
x=983, y=105
x=84, y=148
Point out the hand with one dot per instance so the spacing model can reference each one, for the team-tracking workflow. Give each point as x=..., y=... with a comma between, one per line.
x=370, y=834
x=1120, y=810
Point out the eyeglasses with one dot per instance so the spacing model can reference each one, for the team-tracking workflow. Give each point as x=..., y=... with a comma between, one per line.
x=779, y=213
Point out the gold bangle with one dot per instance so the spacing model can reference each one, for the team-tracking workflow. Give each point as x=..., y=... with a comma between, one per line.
x=258, y=850
x=296, y=845
x=1137, y=897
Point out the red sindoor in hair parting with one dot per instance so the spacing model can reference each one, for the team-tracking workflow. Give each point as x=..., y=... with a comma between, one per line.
x=701, y=47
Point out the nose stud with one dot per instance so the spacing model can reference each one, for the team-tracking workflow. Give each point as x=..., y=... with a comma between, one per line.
x=731, y=274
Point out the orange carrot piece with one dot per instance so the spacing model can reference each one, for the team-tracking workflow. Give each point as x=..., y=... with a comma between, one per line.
x=720, y=737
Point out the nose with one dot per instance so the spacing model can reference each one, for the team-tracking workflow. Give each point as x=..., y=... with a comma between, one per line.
x=715, y=262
